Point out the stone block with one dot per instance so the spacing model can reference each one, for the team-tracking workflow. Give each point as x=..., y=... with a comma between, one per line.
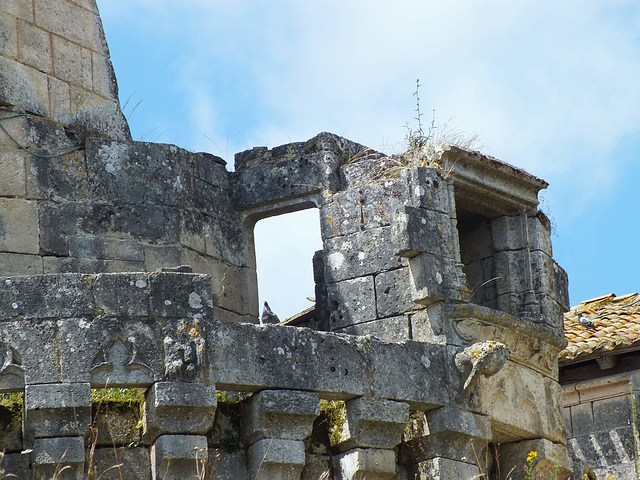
x=122, y=294
x=18, y=226
x=459, y=422
x=566, y=414
x=276, y=458
x=96, y=115
x=56, y=410
x=552, y=460
x=359, y=254
x=29, y=353
x=18, y=264
x=286, y=358
x=24, y=87
x=105, y=248
x=179, y=408
x=46, y=296
x=103, y=76
x=180, y=295
x=612, y=413
x=394, y=292
x=71, y=62
x=523, y=402
x=351, y=302
x=128, y=462
x=211, y=169
x=373, y=423
x=8, y=35
x=35, y=47
x=13, y=180
x=429, y=189
x=159, y=256
x=15, y=465
x=416, y=360
x=227, y=241
x=446, y=469
x=550, y=279
x=430, y=325
x=508, y=233
x=18, y=9
x=282, y=414
x=71, y=22
x=437, y=278
x=113, y=351
x=370, y=464
x=60, y=458
x=582, y=421
x=416, y=230
x=512, y=271
x=391, y=329
x=60, y=97
x=227, y=465
x=178, y=457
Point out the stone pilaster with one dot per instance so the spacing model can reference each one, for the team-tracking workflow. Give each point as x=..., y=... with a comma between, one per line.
x=56, y=418
x=372, y=429
x=277, y=422
x=450, y=446
x=177, y=417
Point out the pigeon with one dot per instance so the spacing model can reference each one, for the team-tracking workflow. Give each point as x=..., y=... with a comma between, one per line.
x=268, y=316
x=586, y=322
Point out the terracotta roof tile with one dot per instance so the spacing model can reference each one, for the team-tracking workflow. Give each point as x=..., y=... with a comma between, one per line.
x=617, y=326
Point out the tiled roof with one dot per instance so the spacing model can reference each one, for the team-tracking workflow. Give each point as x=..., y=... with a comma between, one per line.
x=616, y=323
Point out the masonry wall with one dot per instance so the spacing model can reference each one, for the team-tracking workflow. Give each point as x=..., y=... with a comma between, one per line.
x=114, y=206
x=601, y=419
x=54, y=62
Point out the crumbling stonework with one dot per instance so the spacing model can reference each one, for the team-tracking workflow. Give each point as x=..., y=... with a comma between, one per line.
x=439, y=306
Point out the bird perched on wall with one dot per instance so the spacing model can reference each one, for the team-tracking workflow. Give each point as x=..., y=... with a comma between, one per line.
x=586, y=322
x=268, y=316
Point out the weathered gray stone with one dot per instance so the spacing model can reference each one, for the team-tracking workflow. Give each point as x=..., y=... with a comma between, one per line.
x=437, y=278
x=179, y=408
x=428, y=189
x=180, y=295
x=373, y=423
x=394, y=292
x=457, y=421
x=13, y=181
x=351, y=302
x=122, y=294
x=391, y=329
x=29, y=354
x=104, y=248
x=18, y=226
x=370, y=464
x=111, y=351
x=18, y=264
x=227, y=466
x=551, y=460
x=416, y=230
x=56, y=410
x=115, y=464
x=276, y=458
x=178, y=457
x=282, y=414
x=52, y=456
x=445, y=469
x=359, y=254
x=16, y=464
x=613, y=412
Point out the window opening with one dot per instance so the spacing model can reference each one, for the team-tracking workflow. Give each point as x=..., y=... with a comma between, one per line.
x=285, y=245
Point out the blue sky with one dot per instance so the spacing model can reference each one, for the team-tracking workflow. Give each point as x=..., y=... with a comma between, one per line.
x=552, y=87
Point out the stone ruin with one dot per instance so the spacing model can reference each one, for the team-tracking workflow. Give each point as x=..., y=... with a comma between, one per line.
x=131, y=265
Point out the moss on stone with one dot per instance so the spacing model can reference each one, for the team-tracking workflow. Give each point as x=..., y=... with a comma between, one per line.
x=335, y=414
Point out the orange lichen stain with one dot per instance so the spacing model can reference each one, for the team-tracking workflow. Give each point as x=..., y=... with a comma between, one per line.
x=330, y=219
x=192, y=329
